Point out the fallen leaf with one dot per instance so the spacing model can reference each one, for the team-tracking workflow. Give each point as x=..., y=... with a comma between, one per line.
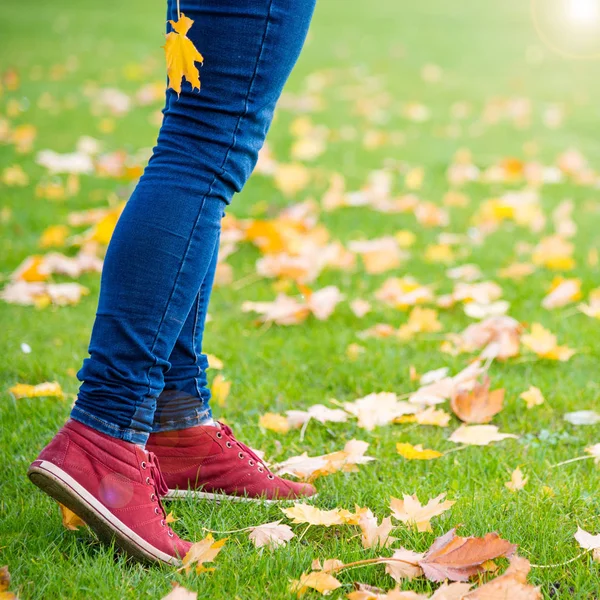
x=317, y=580
x=220, y=389
x=271, y=534
x=511, y=585
x=406, y=565
x=180, y=593
x=201, y=552
x=181, y=55
x=69, y=519
x=378, y=409
x=306, y=513
x=374, y=535
x=477, y=405
x=479, y=435
x=41, y=390
x=458, y=558
x=544, y=344
x=412, y=512
x=582, y=417
x=274, y=422
x=517, y=481
x=417, y=452
x=533, y=396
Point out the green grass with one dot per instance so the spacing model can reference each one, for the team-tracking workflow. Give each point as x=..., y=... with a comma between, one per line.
x=482, y=48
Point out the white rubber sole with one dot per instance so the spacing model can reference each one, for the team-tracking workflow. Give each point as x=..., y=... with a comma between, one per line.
x=64, y=489
x=179, y=494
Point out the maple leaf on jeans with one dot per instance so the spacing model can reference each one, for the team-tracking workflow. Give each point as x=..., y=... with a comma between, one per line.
x=181, y=55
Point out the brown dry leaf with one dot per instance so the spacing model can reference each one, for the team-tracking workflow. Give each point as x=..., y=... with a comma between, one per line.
x=181, y=55
x=5, y=584
x=417, y=452
x=274, y=422
x=317, y=580
x=180, y=593
x=374, y=535
x=406, y=566
x=306, y=513
x=220, y=389
x=271, y=534
x=533, y=396
x=412, y=512
x=201, y=552
x=511, y=585
x=517, y=481
x=477, y=405
x=458, y=558
x=41, y=390
x=478, y=435
x=69, y=519
x=544, y=344
x=497, y=337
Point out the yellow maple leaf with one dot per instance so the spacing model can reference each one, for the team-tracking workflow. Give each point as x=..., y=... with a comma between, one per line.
x=220, y=389
x=181, y=55
x=47, y=389
x=274, y=422
x=417, y=452
x=203, y=551
x=317, y=580
x=306, y=513
x=533, y=396
x=544, y=344
x=69, y=519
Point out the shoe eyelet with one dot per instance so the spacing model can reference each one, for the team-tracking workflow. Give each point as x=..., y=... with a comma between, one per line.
x=271, y=476
x=219, y=434
x=228, y=444
x=148, y=480
x=260, y=470
x=156, y=511
x=240, y=456
x=143, y=465
x=153, y=497
x=251, y=462
x=170, y=533
x=162, y=522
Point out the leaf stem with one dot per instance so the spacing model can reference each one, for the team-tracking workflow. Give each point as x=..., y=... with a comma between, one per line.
x=562, y=564
x=372, y=561
x=303, y=533
x=571, y=460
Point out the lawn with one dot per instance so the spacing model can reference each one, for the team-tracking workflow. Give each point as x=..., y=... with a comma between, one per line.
x=398, y=85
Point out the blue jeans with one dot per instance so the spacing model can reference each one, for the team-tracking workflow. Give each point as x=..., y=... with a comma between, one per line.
x=146, y=371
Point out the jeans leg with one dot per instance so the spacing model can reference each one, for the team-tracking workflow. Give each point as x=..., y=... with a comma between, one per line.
x=185, y=399
x=162, y=247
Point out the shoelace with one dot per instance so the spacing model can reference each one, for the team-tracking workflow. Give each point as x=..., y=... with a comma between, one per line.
x=229, y=433
x=160, y=485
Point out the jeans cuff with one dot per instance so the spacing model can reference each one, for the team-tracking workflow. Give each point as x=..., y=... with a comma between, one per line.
x=200, y=417
x=135, y=436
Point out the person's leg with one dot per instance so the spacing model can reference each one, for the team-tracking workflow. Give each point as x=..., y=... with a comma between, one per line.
x=163, y=244
x=185, y=399
x=160, y=254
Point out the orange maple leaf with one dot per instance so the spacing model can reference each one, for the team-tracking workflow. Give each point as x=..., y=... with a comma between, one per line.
x=182, y=55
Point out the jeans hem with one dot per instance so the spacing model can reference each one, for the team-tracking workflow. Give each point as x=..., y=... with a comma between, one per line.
x=199, y=418
x=121, y=433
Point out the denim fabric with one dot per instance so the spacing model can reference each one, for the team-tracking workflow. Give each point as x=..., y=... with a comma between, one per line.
x=159, y=266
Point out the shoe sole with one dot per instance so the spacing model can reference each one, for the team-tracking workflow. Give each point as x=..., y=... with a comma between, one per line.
x=179, y=494
x=59, y=485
